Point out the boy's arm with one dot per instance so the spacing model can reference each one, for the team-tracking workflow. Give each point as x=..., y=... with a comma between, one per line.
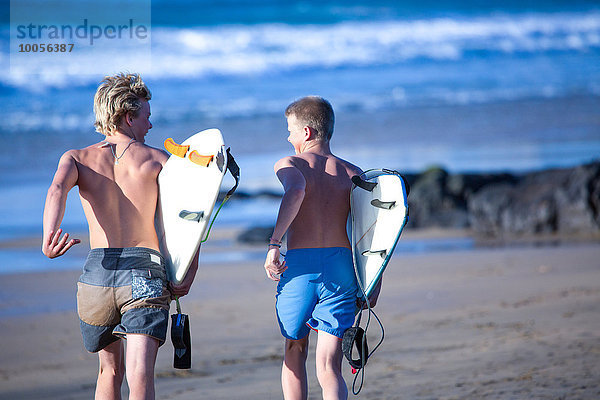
x=294, y=185
x=64, y=179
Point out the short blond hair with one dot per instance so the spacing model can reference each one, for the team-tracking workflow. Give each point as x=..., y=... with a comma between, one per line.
x=116, y=96
x=316, y=112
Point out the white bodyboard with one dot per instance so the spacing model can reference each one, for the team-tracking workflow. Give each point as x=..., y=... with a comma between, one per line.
x=187, y=196
x=378, y=217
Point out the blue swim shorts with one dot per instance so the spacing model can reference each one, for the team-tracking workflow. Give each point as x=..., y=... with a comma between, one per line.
x=318, y=291
x=122, y=291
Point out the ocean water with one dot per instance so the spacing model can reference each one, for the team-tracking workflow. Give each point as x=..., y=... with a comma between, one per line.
x=471, y=86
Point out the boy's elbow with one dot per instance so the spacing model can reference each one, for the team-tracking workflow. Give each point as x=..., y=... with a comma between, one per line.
x=296, y=193
x=56, y=190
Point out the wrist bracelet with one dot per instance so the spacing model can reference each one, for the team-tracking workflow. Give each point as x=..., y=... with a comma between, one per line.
x=274, y=240
x=275, y=244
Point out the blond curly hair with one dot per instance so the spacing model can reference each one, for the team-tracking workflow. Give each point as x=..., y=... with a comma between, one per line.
x=116, y=96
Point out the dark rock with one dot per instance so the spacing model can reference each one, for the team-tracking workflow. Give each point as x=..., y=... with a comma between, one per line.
x=256, y=235
x=429, y=202
x=440, y=199
x=487, y=206
x=532, y=208
x=578, y=200
x=464, y=185
x=552, y=201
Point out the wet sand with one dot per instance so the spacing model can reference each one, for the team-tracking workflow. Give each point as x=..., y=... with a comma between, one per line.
x=488, y=323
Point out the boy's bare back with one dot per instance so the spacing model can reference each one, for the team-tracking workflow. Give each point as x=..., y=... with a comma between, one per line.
x=119, y=201
x=321, y=220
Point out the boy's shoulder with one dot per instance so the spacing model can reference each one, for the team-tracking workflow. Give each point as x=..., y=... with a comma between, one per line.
x=353, y=169
x=85, y=150
x=155, y=152
x=350, y=168
x=75, y=154
x=287, y=161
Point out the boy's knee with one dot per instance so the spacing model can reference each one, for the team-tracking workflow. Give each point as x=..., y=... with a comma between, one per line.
x=113, y=372
x=296, y=347
x=328, y=361
x=328, y=375
x=327, y=367
x=112, y=364
x=139, y=372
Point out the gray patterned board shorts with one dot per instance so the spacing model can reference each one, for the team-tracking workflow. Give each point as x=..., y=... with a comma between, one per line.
x=122, y=291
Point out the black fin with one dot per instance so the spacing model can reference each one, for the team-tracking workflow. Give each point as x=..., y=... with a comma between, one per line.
x=368, y=186
x=191, y=215
x=386, y=205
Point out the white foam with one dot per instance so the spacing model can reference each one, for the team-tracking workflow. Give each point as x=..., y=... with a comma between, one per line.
x=247, y=70
x=257, y=49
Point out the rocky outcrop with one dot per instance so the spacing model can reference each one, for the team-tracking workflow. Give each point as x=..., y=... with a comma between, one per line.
x=564, y=201
x=438, y=199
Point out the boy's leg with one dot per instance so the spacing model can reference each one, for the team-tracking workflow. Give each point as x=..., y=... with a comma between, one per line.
x=293, y=372
x=111, y=372
x=329, y=367
x=140, y=360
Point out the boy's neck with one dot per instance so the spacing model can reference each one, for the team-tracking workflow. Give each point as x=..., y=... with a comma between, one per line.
x=118, y=137
x=316, y=147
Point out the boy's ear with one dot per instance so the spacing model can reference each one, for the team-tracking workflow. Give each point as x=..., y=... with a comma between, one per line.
x=309, y=133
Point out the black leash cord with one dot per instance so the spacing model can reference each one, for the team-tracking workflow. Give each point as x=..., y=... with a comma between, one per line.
x=364, y=357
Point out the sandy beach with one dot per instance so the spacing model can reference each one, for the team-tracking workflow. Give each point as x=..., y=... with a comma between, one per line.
x=488, y=323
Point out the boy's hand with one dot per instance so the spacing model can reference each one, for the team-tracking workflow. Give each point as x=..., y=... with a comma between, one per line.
x=179, y=290
x=183, y=288
x=373, y=297
x=273, y=266
x=55, y=246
